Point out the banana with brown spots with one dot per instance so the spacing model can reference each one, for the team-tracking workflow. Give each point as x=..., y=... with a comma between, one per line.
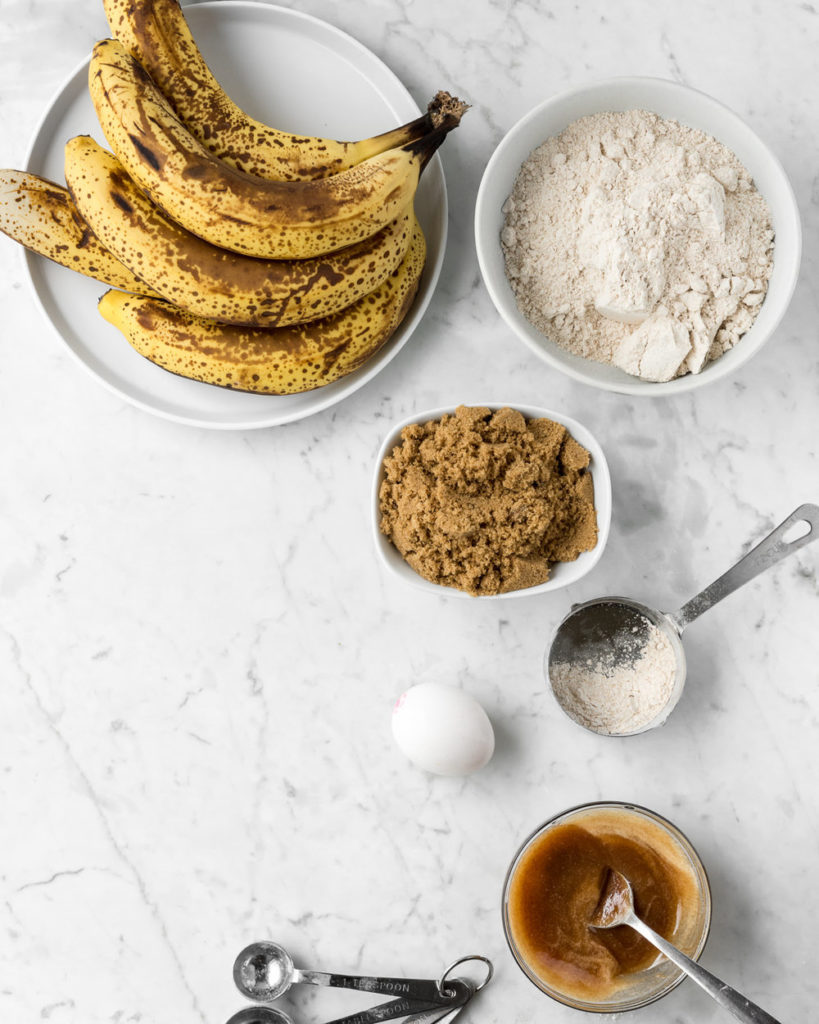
x=157, y=35
x=211, y=282
x=279, y=361
x=237, y=211
x=40, y=215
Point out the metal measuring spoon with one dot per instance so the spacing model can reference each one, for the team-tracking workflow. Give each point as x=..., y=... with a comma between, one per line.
x=264, y=971
x=459, y=992
x=261, y=1015
x=613, y=626
x=616, y=907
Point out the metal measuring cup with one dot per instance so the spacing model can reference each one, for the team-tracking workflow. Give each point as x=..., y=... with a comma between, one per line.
x=614, y=625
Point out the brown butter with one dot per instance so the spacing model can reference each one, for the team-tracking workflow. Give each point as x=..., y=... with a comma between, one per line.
x=556, y=888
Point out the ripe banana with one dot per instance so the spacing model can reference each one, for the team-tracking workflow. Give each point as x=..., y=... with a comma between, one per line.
x=210, y=282
x=271, y=219
x=281, y=361
x=156, y=34
x=41, y=216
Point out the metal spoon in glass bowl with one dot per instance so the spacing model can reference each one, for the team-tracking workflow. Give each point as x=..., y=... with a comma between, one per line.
x=616, y=907
x=612, y=630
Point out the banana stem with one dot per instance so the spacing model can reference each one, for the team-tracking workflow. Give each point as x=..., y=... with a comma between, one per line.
x=445, y=112
x=440, y=110
x=443, y=106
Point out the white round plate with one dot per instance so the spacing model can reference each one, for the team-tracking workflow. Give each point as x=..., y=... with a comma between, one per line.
x=286, y=69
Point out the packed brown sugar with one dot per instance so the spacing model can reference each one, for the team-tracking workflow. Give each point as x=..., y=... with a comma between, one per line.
x=488, y=502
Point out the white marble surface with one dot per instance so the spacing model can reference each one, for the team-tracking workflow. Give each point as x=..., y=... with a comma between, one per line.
x=199, y=651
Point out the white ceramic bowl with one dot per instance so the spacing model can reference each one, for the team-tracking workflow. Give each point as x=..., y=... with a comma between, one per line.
x=563, y=573
x=692, y=108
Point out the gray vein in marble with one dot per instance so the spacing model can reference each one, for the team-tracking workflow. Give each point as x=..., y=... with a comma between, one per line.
x=673, y=63
x=262, y=781
x=67, y=873
x=47, y=1011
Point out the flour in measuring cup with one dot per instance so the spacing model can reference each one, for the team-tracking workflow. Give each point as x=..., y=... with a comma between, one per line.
x=619, y=690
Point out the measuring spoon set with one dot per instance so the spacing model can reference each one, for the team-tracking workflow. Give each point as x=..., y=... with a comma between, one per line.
x=264, y=971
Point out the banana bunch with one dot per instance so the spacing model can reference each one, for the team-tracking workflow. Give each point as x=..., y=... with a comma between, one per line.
x=241, y=256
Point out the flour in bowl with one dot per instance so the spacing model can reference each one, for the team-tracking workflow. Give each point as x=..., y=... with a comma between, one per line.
x=635, y=240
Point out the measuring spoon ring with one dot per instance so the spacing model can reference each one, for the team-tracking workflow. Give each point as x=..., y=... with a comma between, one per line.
x=264, y=971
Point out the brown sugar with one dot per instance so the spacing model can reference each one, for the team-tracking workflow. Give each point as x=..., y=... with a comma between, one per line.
x=488, y=502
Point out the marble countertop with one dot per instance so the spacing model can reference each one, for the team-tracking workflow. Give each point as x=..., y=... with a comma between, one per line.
x=199, y=651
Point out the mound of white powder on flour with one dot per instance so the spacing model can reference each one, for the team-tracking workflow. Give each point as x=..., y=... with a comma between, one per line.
x=634, y=240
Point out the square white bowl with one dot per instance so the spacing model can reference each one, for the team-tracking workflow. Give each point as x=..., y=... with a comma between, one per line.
x=689, y=107
x=563, y=574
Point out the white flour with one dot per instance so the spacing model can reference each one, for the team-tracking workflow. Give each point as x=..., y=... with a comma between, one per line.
x=621, y=690
x=634, y=240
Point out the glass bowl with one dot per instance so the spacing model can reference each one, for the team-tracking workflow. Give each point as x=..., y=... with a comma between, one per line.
x=643, y=987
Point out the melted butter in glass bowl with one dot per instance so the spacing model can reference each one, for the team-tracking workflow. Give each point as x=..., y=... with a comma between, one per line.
x=555, y=882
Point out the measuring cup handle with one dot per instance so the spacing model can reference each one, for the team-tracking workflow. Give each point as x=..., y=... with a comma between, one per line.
x=767, y=553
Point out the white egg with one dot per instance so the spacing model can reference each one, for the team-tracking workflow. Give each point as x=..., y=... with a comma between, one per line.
x=442, y=729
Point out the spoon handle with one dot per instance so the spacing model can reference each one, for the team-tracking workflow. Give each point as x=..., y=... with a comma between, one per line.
x=387, y=1011
x=426, y=1012
x=440, y=1015
x=445, y=1014
x=421, y=990
x=741, y=1008
x=767, y=553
